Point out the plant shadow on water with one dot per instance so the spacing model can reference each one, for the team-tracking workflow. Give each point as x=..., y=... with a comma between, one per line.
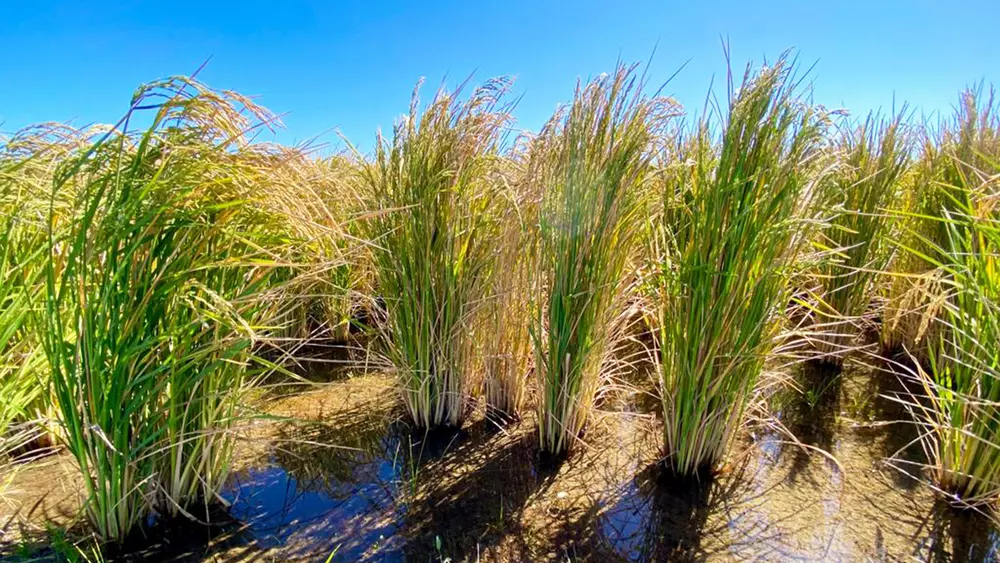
x=889, y=388
x=311, y=362
x=387, y=492
x=813, y=417
x=221, y=537
x=783, y=501
x=955, y=534
x=465, y=512
x=661, y=517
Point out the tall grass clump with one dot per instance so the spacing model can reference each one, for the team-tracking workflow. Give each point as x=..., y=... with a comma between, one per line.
x=731, y=226
x=433, y=231
x=316, y=196
x=915, y=295
x=151, y=305
x=20, y=386
x=28, y=161
x=918, y=291
x=873, y=158
x=596, y=160
x=962, y=390
x=963, y=386
x=506, y=342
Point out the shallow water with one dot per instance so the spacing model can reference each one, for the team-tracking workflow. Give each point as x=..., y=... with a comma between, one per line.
x=386, y=494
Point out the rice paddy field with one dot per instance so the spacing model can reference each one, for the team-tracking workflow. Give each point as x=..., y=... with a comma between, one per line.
x=759, y=330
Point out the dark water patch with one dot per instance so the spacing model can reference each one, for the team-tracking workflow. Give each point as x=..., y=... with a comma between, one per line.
x=661, y=517
x=391, y=493
x=812, y=418
x=888, y=390
x=309, y=361
x=464, y=513
x=216, y=535
x=327, y=487
x=357, y=520
x=958, y=535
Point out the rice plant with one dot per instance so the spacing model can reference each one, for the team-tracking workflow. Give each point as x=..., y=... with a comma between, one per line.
x=20, y=387
x=873, y=159
x=506, y=341
x=150, y=305
x=916, y=296
x=27, y=163
x=962, y=242
x=732, y=225
x=317, y=197
x=919, y=287
x=432, y=229
x=963, y=388
x=596, y=161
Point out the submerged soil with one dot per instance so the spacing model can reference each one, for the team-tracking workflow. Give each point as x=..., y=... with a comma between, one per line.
x=334, y=473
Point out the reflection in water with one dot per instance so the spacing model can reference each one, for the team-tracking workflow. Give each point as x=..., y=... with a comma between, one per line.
x=478, y=493
x=658, y=520
x=790, y=503
x=219, y=537
x=891, y=387
x=312, y=496
x=813, y=417
x=471, y=510
x=283, y=512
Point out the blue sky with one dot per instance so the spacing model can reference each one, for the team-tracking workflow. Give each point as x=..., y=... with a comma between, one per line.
x=352, y=66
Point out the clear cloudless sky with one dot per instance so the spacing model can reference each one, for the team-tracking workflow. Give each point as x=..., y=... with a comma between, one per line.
x=351, y=66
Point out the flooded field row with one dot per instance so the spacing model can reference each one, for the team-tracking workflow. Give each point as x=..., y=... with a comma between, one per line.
x=335, y=473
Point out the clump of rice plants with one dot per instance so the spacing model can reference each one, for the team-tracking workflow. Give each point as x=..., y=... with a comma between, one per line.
x=962, y=242
x=963, y=386
x=731, y=227
x=918, y=291
x=152, y=302
x=597, y=158
x=432, y=230
x=27, y=163
x=317, y=197
x=506, y=342
x=873, y=158
x=19, y=386
x=915, y=294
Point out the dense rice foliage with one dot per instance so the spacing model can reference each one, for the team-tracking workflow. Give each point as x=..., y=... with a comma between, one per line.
x=152, y=300
x=150, y=276
x=432, y=228
x=27, y=164
x=873, y=158
x=505, y=329
x=599, y=157
x=19, y=387
x=732, y=224
x=961, y=241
